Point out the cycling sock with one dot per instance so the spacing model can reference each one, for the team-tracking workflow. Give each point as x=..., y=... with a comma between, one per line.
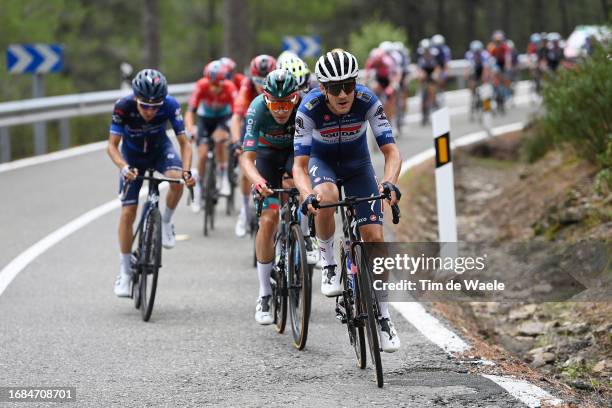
x=245, y=201
x=327, y=251
x=384, y=310
x=263, y=272
x=168, y=212
x=125, y=261
x=304, y=225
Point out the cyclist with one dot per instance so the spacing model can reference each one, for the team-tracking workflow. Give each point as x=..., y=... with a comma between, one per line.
x=381, y=66
x=502, y=65
x=260, y=66
x=428, y=75
x=212, y=100
x=443, y=56
x=554, y=52
x=330, y=142
x=533, y=57
x=139, y=122
x=268, y=154
x=478, y=72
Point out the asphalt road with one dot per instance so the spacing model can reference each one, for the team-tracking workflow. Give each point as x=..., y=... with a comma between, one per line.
x=61, y=325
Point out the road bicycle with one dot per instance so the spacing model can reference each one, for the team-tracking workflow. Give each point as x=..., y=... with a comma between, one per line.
x=358, y=306
x=146, y=256
x=291, y=277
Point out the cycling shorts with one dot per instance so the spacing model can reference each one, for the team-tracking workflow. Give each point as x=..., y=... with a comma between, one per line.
x=166, y=159
x=207, y=126
x=359, y=180
x=272, y=165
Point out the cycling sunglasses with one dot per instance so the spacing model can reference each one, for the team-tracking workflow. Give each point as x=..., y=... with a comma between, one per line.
x=257, y=80
x=149, y=105
x=335, y=88
x=281, y=105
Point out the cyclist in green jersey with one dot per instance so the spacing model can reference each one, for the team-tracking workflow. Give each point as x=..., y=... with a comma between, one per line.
x=268, y=138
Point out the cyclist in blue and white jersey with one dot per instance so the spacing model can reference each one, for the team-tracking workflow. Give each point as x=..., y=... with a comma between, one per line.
x=139, y=122
x=443, y=57
x=331, y=142
x=478, y=58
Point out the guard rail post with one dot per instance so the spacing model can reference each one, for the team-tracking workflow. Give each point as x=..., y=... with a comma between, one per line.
x=5, y=145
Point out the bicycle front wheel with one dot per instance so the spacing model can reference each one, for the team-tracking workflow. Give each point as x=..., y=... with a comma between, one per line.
x=209, y=191
x=279, y=292
x=150, y=262
x=300, y=289
x=352, y=310
x=370, y=309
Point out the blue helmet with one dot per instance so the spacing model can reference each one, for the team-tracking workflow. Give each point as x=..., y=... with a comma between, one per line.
x=149, y=85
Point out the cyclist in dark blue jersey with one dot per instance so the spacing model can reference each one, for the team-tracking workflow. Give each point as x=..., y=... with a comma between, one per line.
x=331, y=142
x=139, y=122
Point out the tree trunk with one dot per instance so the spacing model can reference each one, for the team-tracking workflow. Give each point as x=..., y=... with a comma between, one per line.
x=236, y=31
x=537, y=22
x=150, y=26
x=212, y=21
x=441, y=17
x=605, y=8
x=506, y=18
x=470, y=19
x=565, y=27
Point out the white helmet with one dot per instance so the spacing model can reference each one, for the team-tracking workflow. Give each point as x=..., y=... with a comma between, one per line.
x=476, y=46
x=438, y=39
x=285, y=55
x=336, y=66
x=297, y=67
x=554, y=37
x=386, y=45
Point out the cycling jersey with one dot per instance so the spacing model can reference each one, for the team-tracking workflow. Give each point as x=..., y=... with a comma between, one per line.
x=428, y=64
x=443, y=55
x=340, y=139
x=554, y=55
x=383, y=65
x=145, y=145
x=237, y=79
x=478, y=60
x=246, y=94
x=143, y=138
x=499, y=52
x=209, y=103
x=263, y=132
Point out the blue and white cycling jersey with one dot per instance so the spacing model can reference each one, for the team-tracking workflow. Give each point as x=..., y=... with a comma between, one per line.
x=340, y=139
x=145, y=138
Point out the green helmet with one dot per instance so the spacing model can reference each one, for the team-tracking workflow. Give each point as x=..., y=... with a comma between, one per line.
x=280, y=83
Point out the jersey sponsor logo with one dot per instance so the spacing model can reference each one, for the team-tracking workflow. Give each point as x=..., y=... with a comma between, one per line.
x=299, y=122
x=311, y=104
x=363, y=96
x=317, y=179
x=380, y=112
x=170, y=156
x=326, y=118
x=250, y=143
x=313, y=170
x=373, y=218
x=117, y=119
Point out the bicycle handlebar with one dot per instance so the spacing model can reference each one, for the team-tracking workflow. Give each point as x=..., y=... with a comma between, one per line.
x=352, y=201
x=157, y=180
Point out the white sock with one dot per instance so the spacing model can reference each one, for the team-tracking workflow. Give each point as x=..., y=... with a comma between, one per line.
x=245, y=201
x=263, y=272
x=304, y=225
x=125, y=262
x=384, y=310
x=327, y=251
x=168, y=212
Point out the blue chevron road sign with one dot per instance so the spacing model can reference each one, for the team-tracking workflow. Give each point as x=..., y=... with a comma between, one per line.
x=34, y=58
x=303, y=46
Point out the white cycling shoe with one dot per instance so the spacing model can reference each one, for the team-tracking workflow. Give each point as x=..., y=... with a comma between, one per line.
x=389, y=340
x=330, y=281
x=123, y=284
x=168, y=237
x=241, y=224
x=225, y=188
x=262, y=311
x=312, y=251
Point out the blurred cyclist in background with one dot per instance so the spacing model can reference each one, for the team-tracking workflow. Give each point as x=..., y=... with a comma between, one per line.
x=428, y=77
x=232, y=75
x=554, y=52
x=382, y=69
x=211, y=100
x=252, y=86
x=443, y=56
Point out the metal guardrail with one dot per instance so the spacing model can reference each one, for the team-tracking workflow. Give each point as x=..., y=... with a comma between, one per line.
x=62, y=108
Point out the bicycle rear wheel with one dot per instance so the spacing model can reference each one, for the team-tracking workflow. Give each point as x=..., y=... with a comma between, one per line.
x=352, y=310
x=209, y=191
x=300, y=289
x=150, y=262
x=370, y=309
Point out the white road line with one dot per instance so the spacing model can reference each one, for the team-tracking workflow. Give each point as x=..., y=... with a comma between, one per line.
x=10, y=271
x=63, y=154
x=529, y=394
x=432, y=329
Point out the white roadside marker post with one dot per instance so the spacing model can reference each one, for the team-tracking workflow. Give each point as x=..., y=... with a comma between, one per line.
x=486, y=96
x=445, y=185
